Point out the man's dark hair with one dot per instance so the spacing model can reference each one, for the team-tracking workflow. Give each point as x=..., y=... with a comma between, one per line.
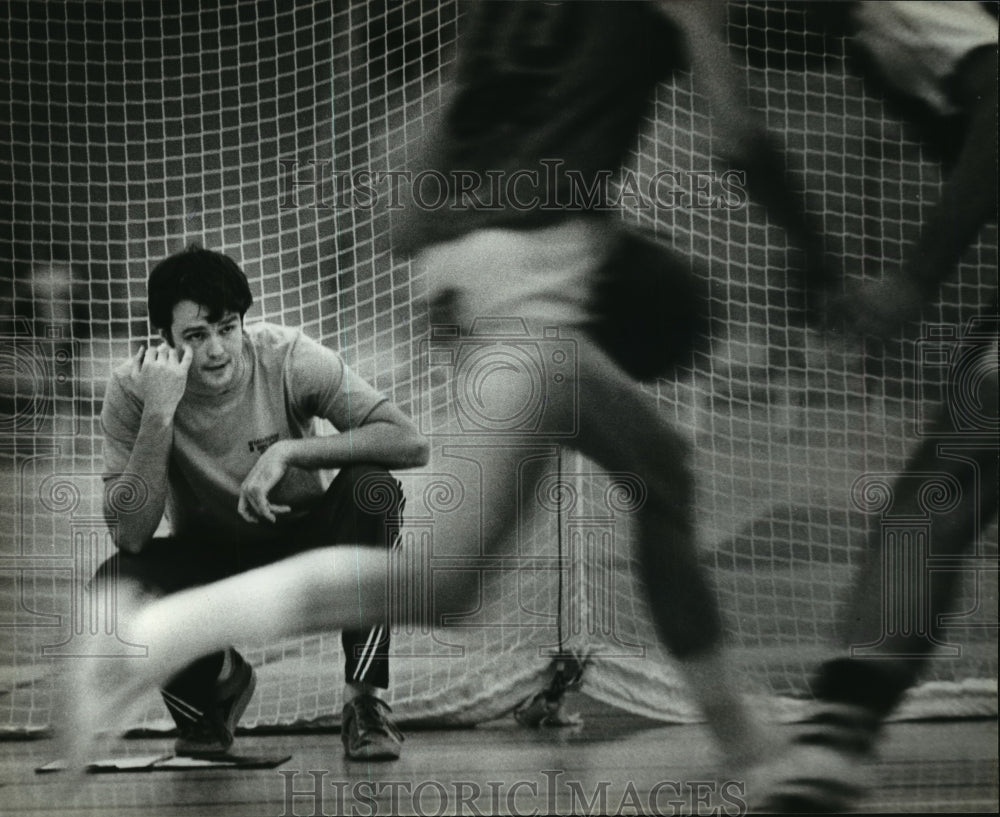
x=210, y=279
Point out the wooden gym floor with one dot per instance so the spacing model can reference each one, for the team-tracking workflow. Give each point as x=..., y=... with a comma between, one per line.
x=613, y=763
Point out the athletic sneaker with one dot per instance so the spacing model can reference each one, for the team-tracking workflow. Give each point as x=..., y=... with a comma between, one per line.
x=824, y=770
x=367, y=731
x=210, y=731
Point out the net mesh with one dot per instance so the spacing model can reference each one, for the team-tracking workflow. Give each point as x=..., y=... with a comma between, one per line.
x=269, y=133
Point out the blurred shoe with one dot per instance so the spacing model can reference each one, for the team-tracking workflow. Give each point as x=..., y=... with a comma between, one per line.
x=209, y=730
x=367, y=731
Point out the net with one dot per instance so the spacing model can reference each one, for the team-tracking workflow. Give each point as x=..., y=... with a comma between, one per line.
x=271, y=133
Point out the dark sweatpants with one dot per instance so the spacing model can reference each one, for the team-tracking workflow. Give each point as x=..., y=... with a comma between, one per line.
x=363, y=506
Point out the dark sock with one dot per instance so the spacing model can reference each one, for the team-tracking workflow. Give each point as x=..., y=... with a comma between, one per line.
x=866, y=690
x=196, y=682
x=876, y=684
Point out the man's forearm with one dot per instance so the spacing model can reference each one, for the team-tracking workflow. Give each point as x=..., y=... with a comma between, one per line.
x=134, y=500
x=383, y=443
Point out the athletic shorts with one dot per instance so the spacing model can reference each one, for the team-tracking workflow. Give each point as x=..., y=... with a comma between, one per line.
x=544, y=277
x=918, y=46
x=643, y=303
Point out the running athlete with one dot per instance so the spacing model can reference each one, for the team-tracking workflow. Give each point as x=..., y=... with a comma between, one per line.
x=548, y=98
x=943, y=58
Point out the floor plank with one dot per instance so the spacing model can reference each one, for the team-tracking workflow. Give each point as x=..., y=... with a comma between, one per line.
x=612, y=764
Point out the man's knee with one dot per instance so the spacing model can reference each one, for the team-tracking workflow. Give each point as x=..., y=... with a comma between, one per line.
x=372, y=489
x=364, y=505
x=130, y=574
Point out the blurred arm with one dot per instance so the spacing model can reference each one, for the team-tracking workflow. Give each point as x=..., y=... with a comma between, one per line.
x=741, y=136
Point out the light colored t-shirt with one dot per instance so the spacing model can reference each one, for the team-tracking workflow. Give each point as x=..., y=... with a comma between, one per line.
x=918, y=45
x=289, y=385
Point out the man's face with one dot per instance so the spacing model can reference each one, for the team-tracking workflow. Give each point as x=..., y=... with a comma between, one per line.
x=217, y=347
